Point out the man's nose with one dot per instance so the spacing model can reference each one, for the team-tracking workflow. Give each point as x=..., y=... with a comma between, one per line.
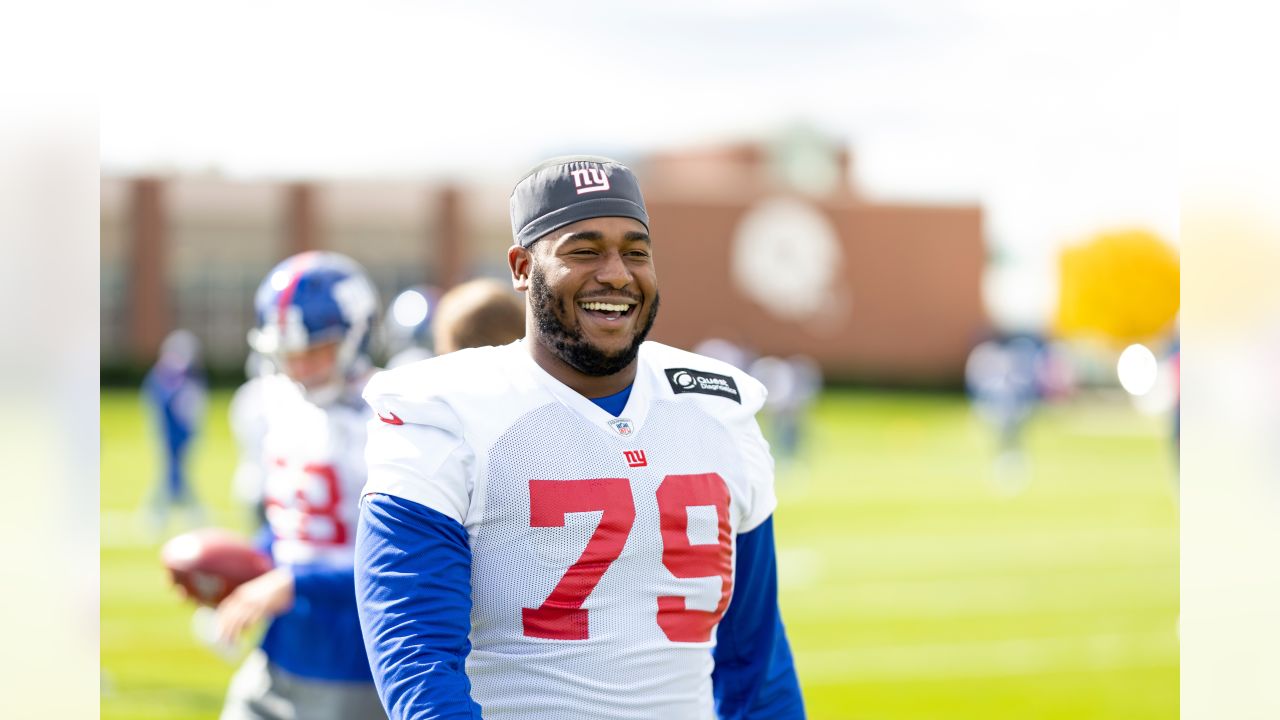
x=613, y=271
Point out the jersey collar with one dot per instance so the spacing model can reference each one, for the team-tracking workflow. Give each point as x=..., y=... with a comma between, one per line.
x=635, y=411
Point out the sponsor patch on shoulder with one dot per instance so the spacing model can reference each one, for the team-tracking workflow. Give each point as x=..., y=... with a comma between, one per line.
x=686, y=380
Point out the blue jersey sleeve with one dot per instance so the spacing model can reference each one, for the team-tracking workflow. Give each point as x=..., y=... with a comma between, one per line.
x=755, y=676
x=413, y=589
x=323, y=586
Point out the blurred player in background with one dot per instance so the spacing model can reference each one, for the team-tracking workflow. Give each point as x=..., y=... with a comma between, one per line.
x=477, y=313
x=247, y=416
x=736, y=354
x=176, y=393
x=793, y=384
x=577, y=525
x=1004, y=380
x=315, y=313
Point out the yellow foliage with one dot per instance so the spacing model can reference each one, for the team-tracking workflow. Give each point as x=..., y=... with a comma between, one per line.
x=1122, y=285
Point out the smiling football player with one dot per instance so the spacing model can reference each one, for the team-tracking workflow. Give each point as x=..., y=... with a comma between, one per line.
x=577, y=524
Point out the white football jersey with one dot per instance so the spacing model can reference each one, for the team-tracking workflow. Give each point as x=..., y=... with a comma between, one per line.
x=248, y=418
x=602, y=546
x=312, y=459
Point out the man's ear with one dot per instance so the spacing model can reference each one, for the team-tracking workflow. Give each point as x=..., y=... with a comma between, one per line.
x=520, y=259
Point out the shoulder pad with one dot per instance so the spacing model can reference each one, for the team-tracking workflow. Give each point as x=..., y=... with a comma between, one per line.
x=423, y=392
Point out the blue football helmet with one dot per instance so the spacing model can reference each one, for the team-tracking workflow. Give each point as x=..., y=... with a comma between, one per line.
x=314, y=298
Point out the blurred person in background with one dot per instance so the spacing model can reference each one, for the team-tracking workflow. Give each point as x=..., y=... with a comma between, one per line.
x=1003, y=378
x=176, y=393
x=477, y=313
x=739, y=356
x=793, y=384
x=315, y=312
x=407, y=327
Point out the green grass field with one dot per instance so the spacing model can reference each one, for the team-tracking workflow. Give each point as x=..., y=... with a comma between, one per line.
x=910, y=587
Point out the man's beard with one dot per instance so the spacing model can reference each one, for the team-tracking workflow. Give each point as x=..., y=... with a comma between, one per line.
x=568, y=344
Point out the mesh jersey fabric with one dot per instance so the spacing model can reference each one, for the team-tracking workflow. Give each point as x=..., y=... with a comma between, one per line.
x=413, y=580
x=619, y=529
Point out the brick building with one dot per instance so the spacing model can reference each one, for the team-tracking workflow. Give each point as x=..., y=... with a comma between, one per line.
x=768, y=246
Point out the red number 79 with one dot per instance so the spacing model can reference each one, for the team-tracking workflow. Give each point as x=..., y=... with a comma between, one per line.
x=561, y=617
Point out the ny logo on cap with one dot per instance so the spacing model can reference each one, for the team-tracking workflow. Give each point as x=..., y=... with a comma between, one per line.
x=590, y=180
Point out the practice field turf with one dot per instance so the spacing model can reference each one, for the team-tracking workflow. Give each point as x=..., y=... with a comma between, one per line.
x=912, y=587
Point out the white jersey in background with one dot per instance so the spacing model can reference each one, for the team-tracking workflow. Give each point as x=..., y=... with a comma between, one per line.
x=248, y=420
x=602, y=546
x=312, y=459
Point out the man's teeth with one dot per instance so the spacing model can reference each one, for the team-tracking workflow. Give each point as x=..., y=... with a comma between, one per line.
x=604, y=307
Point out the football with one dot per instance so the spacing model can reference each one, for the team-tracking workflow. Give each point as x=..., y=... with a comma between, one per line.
x=208, y=564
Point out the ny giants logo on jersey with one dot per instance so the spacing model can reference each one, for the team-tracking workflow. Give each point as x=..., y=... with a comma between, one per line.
x=590, y=180
x=635, y=458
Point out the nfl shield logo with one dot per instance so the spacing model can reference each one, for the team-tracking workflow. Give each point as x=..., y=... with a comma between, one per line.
x=622, y=425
